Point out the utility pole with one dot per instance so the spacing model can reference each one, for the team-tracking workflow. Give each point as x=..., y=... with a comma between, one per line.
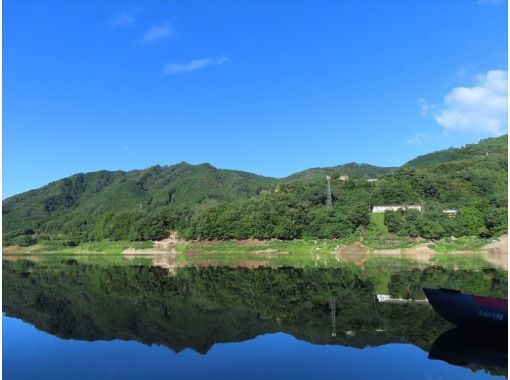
x=329, y=200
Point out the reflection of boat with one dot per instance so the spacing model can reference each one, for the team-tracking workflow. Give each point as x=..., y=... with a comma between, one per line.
x=465, y=347
x=465, y=310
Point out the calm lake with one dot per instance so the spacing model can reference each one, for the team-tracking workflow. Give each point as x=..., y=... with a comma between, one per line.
x=84, y=318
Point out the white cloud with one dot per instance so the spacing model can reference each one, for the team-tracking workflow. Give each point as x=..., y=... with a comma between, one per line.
x=196, y=64
x=158, y=32
x=481, y=108
x=424, y=107
x=465, y=72
x=123, y=18
x=418, y=138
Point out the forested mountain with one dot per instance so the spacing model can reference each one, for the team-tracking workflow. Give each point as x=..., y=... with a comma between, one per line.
x=488, y=146
x=92, y=202
x=202, y=202
x=364, y=171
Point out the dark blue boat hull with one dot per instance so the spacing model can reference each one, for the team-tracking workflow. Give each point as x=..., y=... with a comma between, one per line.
x=465, y=310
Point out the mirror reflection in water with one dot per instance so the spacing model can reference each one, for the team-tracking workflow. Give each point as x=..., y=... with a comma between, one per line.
x=313, y=316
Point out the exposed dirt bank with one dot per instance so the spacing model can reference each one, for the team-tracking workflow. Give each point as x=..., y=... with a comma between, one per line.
x=498, y=246
x=495, y=253
x=165, y=246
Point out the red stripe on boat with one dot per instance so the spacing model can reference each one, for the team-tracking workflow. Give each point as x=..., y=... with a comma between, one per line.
x=500, y=303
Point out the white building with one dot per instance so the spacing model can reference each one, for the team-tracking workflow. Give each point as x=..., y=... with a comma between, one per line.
x=450, y=212
x=379, y=209
x=382, y=297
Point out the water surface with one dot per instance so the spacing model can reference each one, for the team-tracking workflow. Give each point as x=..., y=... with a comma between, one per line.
x=82, y=319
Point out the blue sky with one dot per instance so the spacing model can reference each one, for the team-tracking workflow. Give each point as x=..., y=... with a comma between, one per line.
x=266, y=87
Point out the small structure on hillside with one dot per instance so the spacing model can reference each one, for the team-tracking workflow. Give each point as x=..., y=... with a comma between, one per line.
x=450, y=212
x=372, y=180
x=343, y=177
x=380, y=209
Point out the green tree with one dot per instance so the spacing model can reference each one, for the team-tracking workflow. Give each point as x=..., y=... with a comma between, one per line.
x=411, y=225
x=393, y=221
x=430, y=229
x=472, y=220
x=359, y=215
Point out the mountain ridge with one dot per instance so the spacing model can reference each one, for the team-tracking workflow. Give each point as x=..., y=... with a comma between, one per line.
x=192, y=198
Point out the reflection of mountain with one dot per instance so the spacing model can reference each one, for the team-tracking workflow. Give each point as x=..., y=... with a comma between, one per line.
x=199, y=307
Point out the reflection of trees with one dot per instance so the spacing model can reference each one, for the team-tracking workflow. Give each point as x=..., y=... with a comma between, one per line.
x=199, y=307
x=489, y=282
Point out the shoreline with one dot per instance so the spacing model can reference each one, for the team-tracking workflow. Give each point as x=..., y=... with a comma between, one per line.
x=174, y=252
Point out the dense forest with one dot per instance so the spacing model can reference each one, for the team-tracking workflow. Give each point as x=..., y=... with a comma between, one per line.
x=202, y=202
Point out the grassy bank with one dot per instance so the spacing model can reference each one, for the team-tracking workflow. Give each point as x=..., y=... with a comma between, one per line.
x=465, y=243
x=99, y=247
x=317, y=246
x=271, y=246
